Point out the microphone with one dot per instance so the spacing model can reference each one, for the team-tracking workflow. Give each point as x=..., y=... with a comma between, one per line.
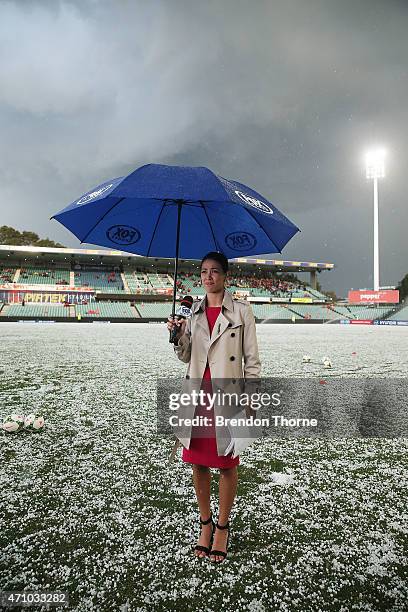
x=183, y=312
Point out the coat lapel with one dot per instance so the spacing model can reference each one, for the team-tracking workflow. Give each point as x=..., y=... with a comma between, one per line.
x=221, y=323
x=220, y=326
x=201, y=321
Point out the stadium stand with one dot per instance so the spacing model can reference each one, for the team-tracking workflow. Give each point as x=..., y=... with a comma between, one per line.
x=273, y=311
x=109, y=281
x=159, y=280
x=156, y=278
x=32, y=275
x=314, y=311
x=161, y=310
x=154, y=310
x=258, y=292
x=37, y=310
x=137, y=281
x=257, y=284
x=365, y=312
x=190, y=283
x=343, y=311
x=316, y=294
x=400, y=315
x=7, y=274
x=265, y=285
x=114, y=310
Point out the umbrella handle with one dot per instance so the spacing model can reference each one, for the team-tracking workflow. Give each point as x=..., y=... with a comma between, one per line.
x=173, y=334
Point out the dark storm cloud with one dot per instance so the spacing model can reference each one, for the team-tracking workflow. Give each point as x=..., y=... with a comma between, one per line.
x=284, y=96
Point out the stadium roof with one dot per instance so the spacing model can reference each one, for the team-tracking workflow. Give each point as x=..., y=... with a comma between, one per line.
x=106, y=256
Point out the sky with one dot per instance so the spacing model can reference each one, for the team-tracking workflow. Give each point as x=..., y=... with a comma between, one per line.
x=285, y=96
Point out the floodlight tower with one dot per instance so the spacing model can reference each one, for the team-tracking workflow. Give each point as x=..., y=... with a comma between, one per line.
x=375, y=169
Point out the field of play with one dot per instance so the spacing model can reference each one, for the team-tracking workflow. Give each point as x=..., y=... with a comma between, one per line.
x=91, y=506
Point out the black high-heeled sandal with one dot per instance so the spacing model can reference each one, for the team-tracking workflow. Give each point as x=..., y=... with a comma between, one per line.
x=220, y=552
x=200, y=547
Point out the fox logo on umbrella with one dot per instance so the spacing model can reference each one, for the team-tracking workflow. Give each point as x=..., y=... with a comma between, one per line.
x=240, y=240
x=123, y=234
x=94, y=194
x=254, y=202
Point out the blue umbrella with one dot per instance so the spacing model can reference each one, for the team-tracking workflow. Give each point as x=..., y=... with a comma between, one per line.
x=177, y=212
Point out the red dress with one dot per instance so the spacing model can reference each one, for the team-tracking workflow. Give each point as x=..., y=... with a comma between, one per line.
x=203, y=451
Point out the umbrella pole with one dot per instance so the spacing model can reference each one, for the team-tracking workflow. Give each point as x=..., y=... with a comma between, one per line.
x=179, y=205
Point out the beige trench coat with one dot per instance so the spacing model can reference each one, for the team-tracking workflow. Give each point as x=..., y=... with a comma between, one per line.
x=232, y=353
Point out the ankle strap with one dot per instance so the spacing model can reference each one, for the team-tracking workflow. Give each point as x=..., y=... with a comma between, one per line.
x=207, y=521
x=222, y=526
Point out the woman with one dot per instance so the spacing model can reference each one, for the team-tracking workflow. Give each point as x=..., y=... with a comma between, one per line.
x=221, y=333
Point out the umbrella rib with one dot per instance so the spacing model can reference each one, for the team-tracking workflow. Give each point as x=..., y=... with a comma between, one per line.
x=155, y=227
x=99, y=220
x=209, y=223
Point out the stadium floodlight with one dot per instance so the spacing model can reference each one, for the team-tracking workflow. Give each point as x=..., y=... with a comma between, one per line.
x=375, y=169
x=375, y=164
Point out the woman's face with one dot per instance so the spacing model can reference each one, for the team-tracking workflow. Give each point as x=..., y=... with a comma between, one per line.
x=212, y=276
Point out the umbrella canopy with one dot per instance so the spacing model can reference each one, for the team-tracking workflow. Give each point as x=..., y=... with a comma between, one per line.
x=177, y=211
x=139, y=214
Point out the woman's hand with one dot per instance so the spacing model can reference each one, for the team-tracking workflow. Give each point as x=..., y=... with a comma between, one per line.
x=180, y=323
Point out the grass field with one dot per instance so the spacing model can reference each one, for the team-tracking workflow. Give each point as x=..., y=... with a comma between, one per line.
x=91, y=506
